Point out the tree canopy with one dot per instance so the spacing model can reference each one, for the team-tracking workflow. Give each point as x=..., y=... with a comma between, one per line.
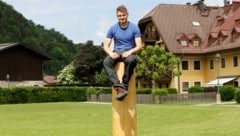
x=155, y=63
x=88, y=61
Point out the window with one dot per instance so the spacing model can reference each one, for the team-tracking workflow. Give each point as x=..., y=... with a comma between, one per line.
x=185, y=86
x=196, y=43
x=184, y=65
x=234, y=36
x=237, y=21
x=235, y=83
x=197, y=65
x=160, y=85
x=211, y=41
x=211, y=64
x=167, y=85
x=222, y=38
x=222, y=62
x=195, y=23
x=197, y=83
x=150, y=32
x=184, y=43
x=235, y=61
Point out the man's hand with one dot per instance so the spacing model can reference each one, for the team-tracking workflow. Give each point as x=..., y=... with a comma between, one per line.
x=114, y=55
x=126, y=54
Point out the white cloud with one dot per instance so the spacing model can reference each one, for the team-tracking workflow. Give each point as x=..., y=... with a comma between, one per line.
x=103, y=26
x=214, y=2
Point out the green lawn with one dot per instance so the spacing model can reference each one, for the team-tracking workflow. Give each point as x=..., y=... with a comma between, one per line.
x=88, y=119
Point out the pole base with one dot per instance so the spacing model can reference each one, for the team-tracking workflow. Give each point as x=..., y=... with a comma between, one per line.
x=218, y=98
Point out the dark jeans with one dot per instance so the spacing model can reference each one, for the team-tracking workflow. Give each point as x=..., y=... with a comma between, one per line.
x=129, y=62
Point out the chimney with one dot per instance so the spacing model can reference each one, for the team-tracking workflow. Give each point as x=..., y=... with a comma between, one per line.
x=226, y=2
x=200, y=5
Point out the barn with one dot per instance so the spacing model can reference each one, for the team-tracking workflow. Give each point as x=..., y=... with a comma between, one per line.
x=21, y=65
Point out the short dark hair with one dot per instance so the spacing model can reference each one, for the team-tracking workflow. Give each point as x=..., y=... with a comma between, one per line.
x=122, y=8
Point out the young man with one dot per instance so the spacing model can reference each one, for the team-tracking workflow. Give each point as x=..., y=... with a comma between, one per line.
x=127, y=41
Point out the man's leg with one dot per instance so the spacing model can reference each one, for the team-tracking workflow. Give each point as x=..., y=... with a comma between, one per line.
x=109, y=64
x=130, y=63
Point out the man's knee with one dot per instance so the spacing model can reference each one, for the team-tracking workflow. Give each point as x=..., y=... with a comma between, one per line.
x=131, y=59
x=107, y=61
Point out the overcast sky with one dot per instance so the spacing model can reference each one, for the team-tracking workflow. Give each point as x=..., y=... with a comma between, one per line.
x=82, y=20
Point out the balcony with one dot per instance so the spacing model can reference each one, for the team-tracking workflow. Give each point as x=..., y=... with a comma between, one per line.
x=150, y=36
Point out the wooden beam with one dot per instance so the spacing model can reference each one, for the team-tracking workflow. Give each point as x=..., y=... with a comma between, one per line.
x=124, y=112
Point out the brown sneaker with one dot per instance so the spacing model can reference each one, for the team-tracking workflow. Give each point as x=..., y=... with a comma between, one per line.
x=121, y=93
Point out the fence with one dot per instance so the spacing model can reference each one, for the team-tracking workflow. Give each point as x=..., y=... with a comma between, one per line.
x=192, y=97
x=150, y=99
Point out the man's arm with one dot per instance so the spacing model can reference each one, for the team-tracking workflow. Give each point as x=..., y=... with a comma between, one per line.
x=106, y=48
x=138, y=47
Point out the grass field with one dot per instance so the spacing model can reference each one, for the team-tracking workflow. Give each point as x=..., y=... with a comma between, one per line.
x=89, y=119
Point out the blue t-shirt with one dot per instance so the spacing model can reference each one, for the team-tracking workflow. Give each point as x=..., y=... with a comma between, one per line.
x=124, y=38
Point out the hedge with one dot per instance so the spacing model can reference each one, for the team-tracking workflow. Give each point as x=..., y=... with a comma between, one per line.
x=42, y=94
x=160, y=91
x=195, y=89
x=143, y=91
x=108, y=90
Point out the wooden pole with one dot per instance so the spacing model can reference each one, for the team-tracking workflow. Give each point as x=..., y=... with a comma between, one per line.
x=124, y=112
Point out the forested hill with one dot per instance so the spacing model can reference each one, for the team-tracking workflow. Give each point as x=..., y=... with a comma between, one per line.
x=15, y=28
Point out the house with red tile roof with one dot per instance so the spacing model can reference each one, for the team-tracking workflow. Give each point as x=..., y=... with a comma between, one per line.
x=205, y=38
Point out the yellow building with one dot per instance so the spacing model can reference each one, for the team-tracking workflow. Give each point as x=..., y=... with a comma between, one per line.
x=206, y=39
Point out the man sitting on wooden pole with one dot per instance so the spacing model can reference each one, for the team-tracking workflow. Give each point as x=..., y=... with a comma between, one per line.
x=127, y=41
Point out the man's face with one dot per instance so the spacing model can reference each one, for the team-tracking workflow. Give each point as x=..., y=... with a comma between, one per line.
x=122, y=17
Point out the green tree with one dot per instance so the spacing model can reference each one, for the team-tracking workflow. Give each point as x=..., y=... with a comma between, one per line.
x=102, y=78
x=88, y=61
x=67, y=75
x=154, y=63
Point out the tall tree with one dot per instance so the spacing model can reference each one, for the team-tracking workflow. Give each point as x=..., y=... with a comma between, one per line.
x=88, y=61
x=154, y=63
x=102, y=78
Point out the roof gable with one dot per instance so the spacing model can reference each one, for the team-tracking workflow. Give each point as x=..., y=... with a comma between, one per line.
x=214, y=34
x=237, y=29
x=230, y=21
x=181, y=36
x=7, y=46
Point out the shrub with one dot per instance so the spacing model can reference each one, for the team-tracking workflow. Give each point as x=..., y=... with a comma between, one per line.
x=105, y=90
x=160, y=92
x=3, y=96
x=227, y=92
x=237, y=95
x=172, y=90
x=91, y=90
x=195, y=89
x=143, y=91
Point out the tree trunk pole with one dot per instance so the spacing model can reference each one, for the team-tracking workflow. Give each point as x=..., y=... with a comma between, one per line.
x=124, y=112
